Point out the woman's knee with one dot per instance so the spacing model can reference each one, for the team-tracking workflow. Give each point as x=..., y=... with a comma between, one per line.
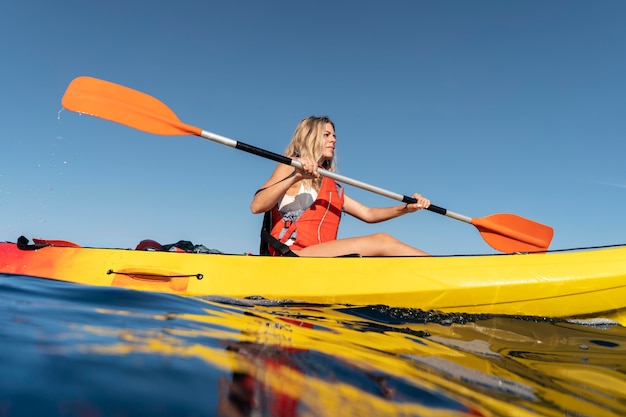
x=383, y=238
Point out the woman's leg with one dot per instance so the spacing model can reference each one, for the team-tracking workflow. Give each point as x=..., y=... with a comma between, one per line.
x=378, y=244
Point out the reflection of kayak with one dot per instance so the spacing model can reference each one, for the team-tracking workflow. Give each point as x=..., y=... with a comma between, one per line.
x=559, y=284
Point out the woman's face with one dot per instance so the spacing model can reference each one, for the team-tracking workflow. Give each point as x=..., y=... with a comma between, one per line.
x=329, y=142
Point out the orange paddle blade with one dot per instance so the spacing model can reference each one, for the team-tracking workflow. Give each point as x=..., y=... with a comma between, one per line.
x=124, y=105
x=510, y=233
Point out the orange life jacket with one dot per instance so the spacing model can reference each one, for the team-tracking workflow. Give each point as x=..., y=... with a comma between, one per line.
x=319, y=223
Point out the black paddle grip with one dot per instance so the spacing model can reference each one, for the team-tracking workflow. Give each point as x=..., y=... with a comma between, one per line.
x=437, y=209
x=432, y=207
x=263, y=153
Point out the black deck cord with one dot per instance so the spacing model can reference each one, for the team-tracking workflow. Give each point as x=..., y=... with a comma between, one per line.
x=138, y=274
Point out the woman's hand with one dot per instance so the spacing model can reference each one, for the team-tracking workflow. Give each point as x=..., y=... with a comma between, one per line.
x=309, y=168
x=422, y=203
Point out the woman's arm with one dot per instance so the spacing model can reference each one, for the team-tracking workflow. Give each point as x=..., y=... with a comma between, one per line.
x=274, y=188
x=380, y=214
x=283, y=177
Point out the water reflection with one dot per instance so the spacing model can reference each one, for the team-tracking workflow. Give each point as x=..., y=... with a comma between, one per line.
x=293, y=360
x=552, y=367
x=252, y=391
x=282, y=381
x=134, y=353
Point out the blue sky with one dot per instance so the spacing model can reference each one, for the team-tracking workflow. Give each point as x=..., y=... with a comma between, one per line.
x=483, y=106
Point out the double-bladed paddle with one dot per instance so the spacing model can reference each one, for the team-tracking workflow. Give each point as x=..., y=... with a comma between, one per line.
x=506, y=233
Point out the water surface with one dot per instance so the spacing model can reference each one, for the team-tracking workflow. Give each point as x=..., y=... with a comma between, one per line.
x=71, y=350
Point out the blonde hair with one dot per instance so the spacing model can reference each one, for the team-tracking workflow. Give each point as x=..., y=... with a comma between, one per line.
x=308, y=142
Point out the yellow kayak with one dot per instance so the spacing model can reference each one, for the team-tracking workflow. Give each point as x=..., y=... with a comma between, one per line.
x=584, y=283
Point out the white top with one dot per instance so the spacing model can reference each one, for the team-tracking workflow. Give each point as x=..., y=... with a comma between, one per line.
x=291, y=207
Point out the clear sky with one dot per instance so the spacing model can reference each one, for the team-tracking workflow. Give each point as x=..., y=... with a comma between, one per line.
x=483, y=106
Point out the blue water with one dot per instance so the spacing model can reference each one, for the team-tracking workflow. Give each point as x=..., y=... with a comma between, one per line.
x=72, y=350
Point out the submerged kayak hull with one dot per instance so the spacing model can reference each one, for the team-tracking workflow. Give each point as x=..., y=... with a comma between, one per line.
x=563, y=284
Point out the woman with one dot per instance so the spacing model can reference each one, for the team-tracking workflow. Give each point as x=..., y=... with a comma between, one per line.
x=306, y=207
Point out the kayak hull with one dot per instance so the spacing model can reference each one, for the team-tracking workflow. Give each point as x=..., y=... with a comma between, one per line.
x=560, y=284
